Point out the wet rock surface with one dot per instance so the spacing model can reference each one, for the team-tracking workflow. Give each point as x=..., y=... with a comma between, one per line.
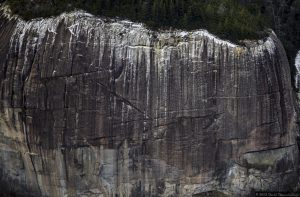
x=91, y=107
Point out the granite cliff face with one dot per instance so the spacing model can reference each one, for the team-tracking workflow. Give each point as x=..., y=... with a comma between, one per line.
x=95, y=107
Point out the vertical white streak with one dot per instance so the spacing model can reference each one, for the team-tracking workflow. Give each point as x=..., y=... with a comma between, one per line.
x=297, y=65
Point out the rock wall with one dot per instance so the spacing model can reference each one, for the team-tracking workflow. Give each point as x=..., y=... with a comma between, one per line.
x=98, y=107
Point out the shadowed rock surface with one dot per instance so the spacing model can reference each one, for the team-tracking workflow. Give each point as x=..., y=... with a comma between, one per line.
x=91, y=107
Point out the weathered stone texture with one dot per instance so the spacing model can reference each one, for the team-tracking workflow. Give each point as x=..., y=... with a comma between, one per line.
x=91, y=107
